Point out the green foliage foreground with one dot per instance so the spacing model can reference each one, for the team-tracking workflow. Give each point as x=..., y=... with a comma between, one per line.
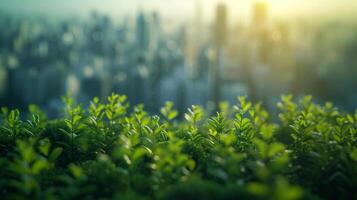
x=110, y=152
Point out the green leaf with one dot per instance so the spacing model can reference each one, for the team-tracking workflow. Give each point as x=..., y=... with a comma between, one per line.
x=275, y=148
x=76, y=171
x=55, y=154
x=172, y=115
x=139, y=153
x=354, y=154
x=44, y=146
x=191, y=164
x=258, y=189
x=262, y=146
x=39, y=166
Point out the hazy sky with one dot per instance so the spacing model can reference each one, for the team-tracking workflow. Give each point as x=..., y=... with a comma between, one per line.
x=182, y=9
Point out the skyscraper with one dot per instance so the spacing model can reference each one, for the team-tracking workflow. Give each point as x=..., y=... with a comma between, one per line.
x=156, y=31
x=142, y=32
x=260, y=14
x=260, y=31
x=260, y=70
x=3, y=77
x=221, y=26
x=220, y=41
x=198, y=21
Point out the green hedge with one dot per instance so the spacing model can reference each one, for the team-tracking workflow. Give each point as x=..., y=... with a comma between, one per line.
x=111, y=151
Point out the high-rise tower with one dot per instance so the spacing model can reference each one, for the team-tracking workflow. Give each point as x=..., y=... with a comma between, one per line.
x=198, y=20
x=221, y=26
x=260, y=38
x=142, y=32
x=260, y=14
x=220, y=41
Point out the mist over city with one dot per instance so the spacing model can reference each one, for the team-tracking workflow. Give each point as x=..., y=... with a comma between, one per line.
x=187, y=52
x=178, y=99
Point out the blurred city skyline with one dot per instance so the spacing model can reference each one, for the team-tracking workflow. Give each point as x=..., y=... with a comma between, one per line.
x=180, y=11
x=190, y=52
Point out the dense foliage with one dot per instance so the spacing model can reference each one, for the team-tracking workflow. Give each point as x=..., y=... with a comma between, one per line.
x=111, y=151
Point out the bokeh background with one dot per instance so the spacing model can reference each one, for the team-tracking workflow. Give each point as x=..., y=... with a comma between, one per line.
x=185, y=51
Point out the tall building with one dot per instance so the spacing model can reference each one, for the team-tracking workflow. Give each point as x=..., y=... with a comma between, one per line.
x=221, y=30
x=3, y=86
x=198, y=21
x=260, y=31
x=260, y=71
x=220, y=41
x=156, y=32
x=260, y=14
x=142, y=32
x=194, y=39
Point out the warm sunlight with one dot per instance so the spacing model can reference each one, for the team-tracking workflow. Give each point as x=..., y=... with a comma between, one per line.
x=178, y=99
x=182, y=9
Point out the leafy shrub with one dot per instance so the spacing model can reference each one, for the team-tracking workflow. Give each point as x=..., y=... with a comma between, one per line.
x=110, y=152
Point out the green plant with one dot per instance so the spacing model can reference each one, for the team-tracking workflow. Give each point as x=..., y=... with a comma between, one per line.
x=109, y=151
